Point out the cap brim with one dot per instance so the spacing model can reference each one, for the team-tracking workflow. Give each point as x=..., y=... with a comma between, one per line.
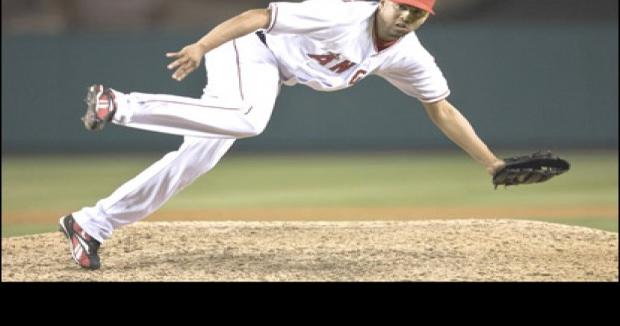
x=417, y=4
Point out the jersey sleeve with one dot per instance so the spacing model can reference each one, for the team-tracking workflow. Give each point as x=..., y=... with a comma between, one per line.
x=417, y=75
x=312, y=18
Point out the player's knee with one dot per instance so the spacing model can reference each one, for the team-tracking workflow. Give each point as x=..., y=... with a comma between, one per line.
x=253, y=131
x=253, y=128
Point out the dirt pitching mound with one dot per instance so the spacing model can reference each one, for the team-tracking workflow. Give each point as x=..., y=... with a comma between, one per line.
x=434, y=250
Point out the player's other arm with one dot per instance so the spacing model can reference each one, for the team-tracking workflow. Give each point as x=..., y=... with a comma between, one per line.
x=456, y=127
x=189, y=57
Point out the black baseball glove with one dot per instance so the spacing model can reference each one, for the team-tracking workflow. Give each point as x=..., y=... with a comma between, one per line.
x=538, y=167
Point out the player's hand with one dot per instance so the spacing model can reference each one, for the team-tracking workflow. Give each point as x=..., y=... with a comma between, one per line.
x=495, y=166
x=186, y=60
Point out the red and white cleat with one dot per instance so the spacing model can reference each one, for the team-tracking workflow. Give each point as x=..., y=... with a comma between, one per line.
x=101, y=107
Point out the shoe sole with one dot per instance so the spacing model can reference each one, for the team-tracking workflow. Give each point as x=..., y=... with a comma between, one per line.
x=90, y=118
x=62, y=228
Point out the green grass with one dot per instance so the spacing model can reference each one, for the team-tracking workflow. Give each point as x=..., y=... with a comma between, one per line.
x=14, y=230
x=606, y=224
x=410, y=179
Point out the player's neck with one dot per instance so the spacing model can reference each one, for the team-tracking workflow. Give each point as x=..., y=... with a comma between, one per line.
x=381, y=41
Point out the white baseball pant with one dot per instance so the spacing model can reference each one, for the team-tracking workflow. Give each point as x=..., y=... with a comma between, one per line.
x=243, y=84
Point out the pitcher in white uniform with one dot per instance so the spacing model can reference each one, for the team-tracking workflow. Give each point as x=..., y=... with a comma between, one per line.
x=327, y=45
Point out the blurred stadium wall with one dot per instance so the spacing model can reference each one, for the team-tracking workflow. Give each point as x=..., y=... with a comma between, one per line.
x=526, y=73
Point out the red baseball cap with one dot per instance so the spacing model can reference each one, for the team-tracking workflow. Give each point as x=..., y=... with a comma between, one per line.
x=426, y=5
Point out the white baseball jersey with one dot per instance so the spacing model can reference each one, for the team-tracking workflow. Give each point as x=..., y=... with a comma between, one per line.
x=329, y=45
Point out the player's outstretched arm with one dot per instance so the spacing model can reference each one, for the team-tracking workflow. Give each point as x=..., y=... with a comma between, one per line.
x=189, y=58
x=456, y=127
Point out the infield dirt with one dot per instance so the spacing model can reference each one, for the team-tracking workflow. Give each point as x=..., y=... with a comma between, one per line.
x=430, y=250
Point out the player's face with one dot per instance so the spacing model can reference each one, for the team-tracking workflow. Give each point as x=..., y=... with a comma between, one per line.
x=398, y=19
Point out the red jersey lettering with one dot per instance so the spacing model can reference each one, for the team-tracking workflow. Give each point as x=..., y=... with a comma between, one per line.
x=323, y=59
x=357, y=76
x=342, y=67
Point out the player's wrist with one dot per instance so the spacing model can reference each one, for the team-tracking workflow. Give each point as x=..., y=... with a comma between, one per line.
x=495, y=166
x=202, y=47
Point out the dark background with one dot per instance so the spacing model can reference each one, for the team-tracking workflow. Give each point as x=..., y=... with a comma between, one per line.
x=527, y=74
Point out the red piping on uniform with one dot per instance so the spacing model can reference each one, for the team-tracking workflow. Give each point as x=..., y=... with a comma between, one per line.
x=239, y=75
x=238, y=69
x=192, y=104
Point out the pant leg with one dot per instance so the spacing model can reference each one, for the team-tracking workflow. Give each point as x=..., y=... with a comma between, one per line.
x=153, y=187
x=243, y=83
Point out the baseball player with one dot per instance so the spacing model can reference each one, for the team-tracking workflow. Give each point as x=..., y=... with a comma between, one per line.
x=327, y=45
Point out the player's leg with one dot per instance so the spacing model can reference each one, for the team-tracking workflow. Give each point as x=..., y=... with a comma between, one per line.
x=87, y=228
x=237, y=102
x=139, y=197
x=149, y=190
